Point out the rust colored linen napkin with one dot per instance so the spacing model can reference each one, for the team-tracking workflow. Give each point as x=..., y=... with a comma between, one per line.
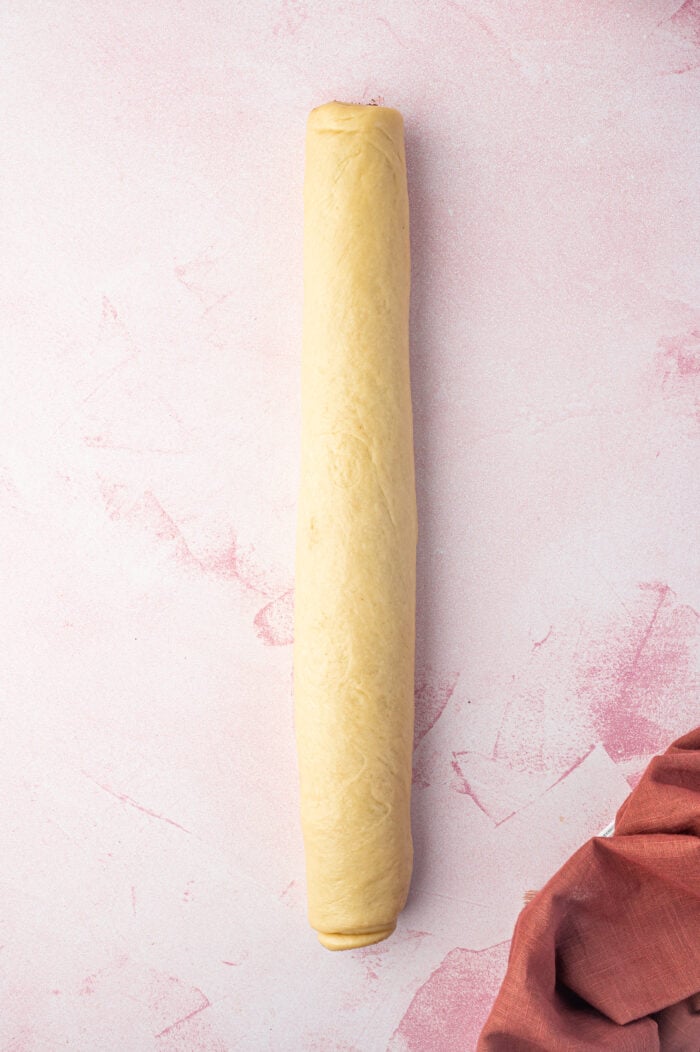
x=607, y=955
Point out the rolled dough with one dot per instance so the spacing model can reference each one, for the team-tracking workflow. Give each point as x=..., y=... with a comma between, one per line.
x=356, y=537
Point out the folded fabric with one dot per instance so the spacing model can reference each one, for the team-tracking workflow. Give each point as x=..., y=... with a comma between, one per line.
x=607, y=955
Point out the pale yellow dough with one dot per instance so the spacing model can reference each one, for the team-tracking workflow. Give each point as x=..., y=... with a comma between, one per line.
x=356, y=541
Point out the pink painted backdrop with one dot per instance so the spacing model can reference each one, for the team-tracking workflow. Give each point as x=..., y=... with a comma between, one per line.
x=151, y=868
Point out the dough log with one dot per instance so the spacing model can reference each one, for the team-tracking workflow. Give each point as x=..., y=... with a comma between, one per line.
x=356, y=537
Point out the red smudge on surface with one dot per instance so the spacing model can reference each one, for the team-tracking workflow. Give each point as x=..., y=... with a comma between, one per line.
x=238, y=563
x=540, y=642
x=462, y=785
x=571, y=769
x=205, y=1003
x=327, y=1042
x=497, y=789
x=87, y=987
x=631, y=683
x=175, y=1010
x=177, y=1020
x=292, y=884
x=96, y=981
x=627, y=682
x=274, y=623
x=681, y=355
x=293, y=895
x=108, y=309
x=687, y=19
x=172, y=1009
x=153, y=514
x=420, y=778
x=449, y=1010
x=148, y=512
x=133, y=803
x=207, y=278
x=432, y=693
x=373, y=957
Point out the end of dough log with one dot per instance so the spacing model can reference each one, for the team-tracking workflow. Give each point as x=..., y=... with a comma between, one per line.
x=353, y=940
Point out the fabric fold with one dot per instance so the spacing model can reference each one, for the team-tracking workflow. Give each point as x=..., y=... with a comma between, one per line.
x=607, y=955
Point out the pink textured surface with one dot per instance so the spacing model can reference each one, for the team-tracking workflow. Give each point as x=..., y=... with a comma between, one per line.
x=152, y=871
